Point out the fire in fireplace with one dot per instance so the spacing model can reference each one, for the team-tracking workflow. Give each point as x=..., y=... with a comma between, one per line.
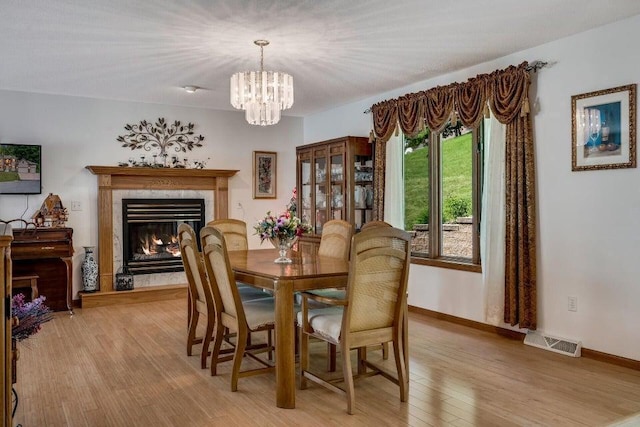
x=150, y=229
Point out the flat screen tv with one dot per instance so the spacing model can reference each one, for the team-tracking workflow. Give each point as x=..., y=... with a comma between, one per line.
x=20, y=169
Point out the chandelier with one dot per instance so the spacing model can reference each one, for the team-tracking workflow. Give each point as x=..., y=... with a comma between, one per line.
x=262, y=94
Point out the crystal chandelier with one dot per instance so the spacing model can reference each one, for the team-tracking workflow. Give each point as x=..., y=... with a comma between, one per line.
x=262, y=94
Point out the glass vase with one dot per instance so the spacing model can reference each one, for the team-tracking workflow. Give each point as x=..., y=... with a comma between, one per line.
x=283, y=244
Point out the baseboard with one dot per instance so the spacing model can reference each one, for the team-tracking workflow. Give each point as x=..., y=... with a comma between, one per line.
x=508, y=333
x=135, y=296
x=515, y=335
x=610, y=358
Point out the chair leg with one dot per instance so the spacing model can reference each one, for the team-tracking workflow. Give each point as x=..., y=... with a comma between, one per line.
x=348, y=378
x=191, y=334
x=304, y=359
x=331, y=357
x=403, y=381
x=241, y=344
x=405, y=339
x=217, y=342
x=385, y=350
x=362, y=356
x=270, y=344
x=206, y=341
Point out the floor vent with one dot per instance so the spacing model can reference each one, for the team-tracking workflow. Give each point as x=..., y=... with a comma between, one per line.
x=551, y=343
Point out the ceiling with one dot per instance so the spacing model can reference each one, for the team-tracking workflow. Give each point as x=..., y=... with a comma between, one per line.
x=337, y=51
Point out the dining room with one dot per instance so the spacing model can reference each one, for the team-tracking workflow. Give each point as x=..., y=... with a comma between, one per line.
x=381, y=109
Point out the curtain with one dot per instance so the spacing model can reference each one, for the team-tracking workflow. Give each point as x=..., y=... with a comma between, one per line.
x=520, y=262
x=507, y=94
x=492, y=225
x=510, y=104
x=385, y=118
x=394, y=185
x=379, y=177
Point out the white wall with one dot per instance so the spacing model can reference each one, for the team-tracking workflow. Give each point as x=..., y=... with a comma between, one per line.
x=76, y=132
x=588, y=222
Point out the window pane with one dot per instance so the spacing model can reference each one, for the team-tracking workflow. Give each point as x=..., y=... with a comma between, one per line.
x=416, y=193
x=457, y=220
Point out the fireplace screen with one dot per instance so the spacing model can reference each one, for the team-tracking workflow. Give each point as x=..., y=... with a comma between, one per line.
x=150, y=230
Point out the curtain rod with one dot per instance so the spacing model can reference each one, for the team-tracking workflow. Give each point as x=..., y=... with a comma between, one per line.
x=534, y=66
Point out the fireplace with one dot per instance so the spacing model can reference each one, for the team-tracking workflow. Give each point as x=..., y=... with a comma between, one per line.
x=150, y=230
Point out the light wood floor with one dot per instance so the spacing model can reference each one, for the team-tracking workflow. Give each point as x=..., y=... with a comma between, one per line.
x=127, y=366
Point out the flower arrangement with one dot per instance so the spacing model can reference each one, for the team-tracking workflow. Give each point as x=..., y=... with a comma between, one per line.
x=31, y=316
x=285, y=226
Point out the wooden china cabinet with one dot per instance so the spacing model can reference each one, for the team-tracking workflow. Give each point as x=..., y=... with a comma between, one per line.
x=335, y=181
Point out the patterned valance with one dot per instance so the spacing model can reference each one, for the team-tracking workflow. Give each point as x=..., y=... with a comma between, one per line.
x=505, y=91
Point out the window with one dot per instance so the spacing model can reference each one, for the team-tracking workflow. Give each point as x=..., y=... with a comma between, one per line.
x=442, y=188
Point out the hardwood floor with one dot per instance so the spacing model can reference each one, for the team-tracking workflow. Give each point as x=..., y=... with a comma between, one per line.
x=127, y=366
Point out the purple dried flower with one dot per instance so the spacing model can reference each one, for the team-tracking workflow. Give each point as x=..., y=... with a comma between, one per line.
x=31, y=315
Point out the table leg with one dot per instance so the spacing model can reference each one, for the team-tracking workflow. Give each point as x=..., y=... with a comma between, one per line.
x=285, y=347
x=67, y=262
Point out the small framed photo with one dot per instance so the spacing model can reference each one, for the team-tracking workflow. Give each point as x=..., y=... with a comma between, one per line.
x=603, y=129
x=264, y=175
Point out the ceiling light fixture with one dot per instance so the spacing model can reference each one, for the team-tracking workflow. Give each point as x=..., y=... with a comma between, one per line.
x=262, y=94
x=191, y=89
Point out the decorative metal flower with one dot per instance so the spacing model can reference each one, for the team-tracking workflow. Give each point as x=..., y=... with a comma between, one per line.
x=161, y=136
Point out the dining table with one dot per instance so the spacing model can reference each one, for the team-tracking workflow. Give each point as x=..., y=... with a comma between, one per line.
x=307, y=271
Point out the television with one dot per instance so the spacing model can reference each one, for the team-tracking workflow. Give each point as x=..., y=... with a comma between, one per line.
x=20, y=169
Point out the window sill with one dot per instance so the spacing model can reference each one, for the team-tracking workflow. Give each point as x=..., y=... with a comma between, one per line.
x=452, y=263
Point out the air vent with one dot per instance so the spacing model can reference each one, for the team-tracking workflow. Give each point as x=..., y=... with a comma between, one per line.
x=555, y=344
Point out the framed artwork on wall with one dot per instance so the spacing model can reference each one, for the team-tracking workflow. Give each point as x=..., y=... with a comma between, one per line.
x=603, y=129
x=264, y=175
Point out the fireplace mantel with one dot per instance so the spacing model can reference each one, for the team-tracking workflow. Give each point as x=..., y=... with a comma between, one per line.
x=134, y=178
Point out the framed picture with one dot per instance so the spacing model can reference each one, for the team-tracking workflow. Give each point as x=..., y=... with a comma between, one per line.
x=603, y=129
x=264, y=174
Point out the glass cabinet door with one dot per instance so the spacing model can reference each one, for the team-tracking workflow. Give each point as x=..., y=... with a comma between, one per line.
x=363, y=190
x=337, y=187
x=305, y=191
x=321, y=192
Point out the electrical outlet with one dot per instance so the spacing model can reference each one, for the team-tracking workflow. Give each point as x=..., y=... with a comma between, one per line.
x=76, y=206
x=573, y=304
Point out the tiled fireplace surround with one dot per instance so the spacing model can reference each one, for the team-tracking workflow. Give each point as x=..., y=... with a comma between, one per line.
x=116, y=183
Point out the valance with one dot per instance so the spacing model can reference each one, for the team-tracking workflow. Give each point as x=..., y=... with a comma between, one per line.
x=505, y=91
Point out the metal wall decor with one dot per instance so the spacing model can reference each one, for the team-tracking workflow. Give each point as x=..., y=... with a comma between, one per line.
x=161, y=136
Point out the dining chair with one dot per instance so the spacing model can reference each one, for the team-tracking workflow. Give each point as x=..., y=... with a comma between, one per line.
x=235, y=235
x=185, y=231
x=240, y=317
x=371, y=224
x=335, y=242
x=371, y=313
x=366, y=226
x=201, y=297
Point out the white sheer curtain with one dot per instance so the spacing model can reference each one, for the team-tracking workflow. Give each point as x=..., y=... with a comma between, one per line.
x=394, y=182
x=492, y=227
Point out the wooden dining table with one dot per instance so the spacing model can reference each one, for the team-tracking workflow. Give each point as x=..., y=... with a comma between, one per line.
x=307, y=271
